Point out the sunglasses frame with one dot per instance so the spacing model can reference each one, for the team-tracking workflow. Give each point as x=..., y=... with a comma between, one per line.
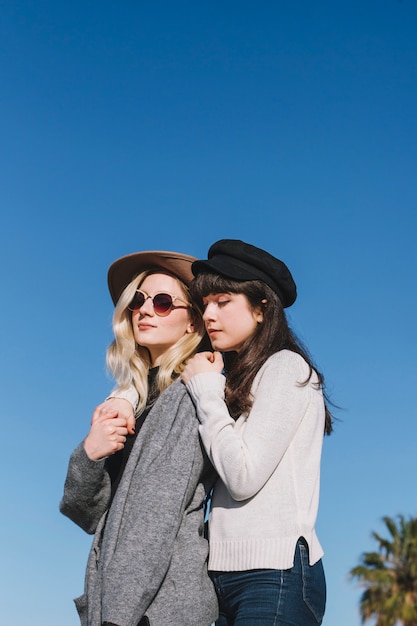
x=171, y=307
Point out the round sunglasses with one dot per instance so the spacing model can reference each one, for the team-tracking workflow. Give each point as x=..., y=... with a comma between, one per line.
x=163, y=303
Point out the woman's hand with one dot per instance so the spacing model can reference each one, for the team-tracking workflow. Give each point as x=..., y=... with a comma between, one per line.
x=203, y=362
x=112, y=421
x=123, y=408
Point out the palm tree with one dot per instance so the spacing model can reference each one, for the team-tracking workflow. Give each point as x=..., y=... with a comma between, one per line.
x=389, y=576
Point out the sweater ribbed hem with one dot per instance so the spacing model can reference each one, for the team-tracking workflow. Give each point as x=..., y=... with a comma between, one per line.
x=257, y=553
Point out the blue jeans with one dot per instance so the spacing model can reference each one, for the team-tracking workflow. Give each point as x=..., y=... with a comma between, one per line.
x=267, y=597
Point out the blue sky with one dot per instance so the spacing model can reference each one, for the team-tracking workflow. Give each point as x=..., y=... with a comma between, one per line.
x=132, y=126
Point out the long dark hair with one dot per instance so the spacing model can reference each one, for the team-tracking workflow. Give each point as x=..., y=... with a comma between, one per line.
x=271, y=336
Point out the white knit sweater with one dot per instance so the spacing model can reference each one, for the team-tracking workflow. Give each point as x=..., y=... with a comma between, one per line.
x=268, y=463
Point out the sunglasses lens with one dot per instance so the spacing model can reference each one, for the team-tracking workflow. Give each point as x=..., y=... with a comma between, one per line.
x=138, y=301
x=162, y=303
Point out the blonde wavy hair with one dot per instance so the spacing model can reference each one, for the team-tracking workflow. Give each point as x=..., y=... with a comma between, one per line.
x=129, y=363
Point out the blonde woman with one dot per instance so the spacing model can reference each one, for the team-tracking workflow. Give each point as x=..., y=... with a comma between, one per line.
x=138, y=484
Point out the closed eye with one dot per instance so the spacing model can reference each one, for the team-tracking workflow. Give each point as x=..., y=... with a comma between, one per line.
x=220, y=300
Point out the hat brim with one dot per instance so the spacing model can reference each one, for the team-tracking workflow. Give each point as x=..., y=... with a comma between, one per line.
x=123, y=270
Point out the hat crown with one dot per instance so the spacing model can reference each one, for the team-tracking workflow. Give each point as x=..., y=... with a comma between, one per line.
x=239, y=260
x=124, y=269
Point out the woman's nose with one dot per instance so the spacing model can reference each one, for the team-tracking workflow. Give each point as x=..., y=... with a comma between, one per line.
x=208, y=312
x=147, y=307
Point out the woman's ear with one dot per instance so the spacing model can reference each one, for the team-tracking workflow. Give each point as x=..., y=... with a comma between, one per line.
x=259, y=316
x=259, y=312
x=190, y=328
x=195, y=321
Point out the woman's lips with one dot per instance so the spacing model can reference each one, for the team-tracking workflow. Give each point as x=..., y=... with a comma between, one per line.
x=145, y=326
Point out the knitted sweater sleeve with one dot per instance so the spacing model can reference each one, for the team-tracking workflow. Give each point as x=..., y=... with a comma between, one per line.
x=245, y=453
x=130, y=394
x=86, y=491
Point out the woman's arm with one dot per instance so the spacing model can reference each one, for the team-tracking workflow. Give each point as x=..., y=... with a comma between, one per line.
x=87, y=485
x=246, y=453
x=130, y=395
x=86, y=491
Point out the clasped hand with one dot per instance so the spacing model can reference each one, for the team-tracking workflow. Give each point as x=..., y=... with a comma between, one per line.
x=112, y=421
x=203, y=362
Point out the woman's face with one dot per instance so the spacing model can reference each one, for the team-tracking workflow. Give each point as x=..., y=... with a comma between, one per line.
x=229, y=320
x=156, y=333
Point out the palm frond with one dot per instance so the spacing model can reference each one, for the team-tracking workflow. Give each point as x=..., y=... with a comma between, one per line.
x=389, y=576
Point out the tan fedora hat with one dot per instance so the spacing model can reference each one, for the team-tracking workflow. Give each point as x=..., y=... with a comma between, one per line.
x=123, y=270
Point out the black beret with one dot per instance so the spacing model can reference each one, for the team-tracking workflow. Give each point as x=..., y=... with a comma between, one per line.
x=236, y=259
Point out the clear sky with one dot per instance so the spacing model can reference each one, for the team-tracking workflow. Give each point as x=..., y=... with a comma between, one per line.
x=136, y=125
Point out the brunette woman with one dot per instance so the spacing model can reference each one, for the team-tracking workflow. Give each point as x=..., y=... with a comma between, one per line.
x=262, y=421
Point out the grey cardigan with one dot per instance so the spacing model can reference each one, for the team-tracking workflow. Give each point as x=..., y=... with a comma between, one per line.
x=149, y=555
